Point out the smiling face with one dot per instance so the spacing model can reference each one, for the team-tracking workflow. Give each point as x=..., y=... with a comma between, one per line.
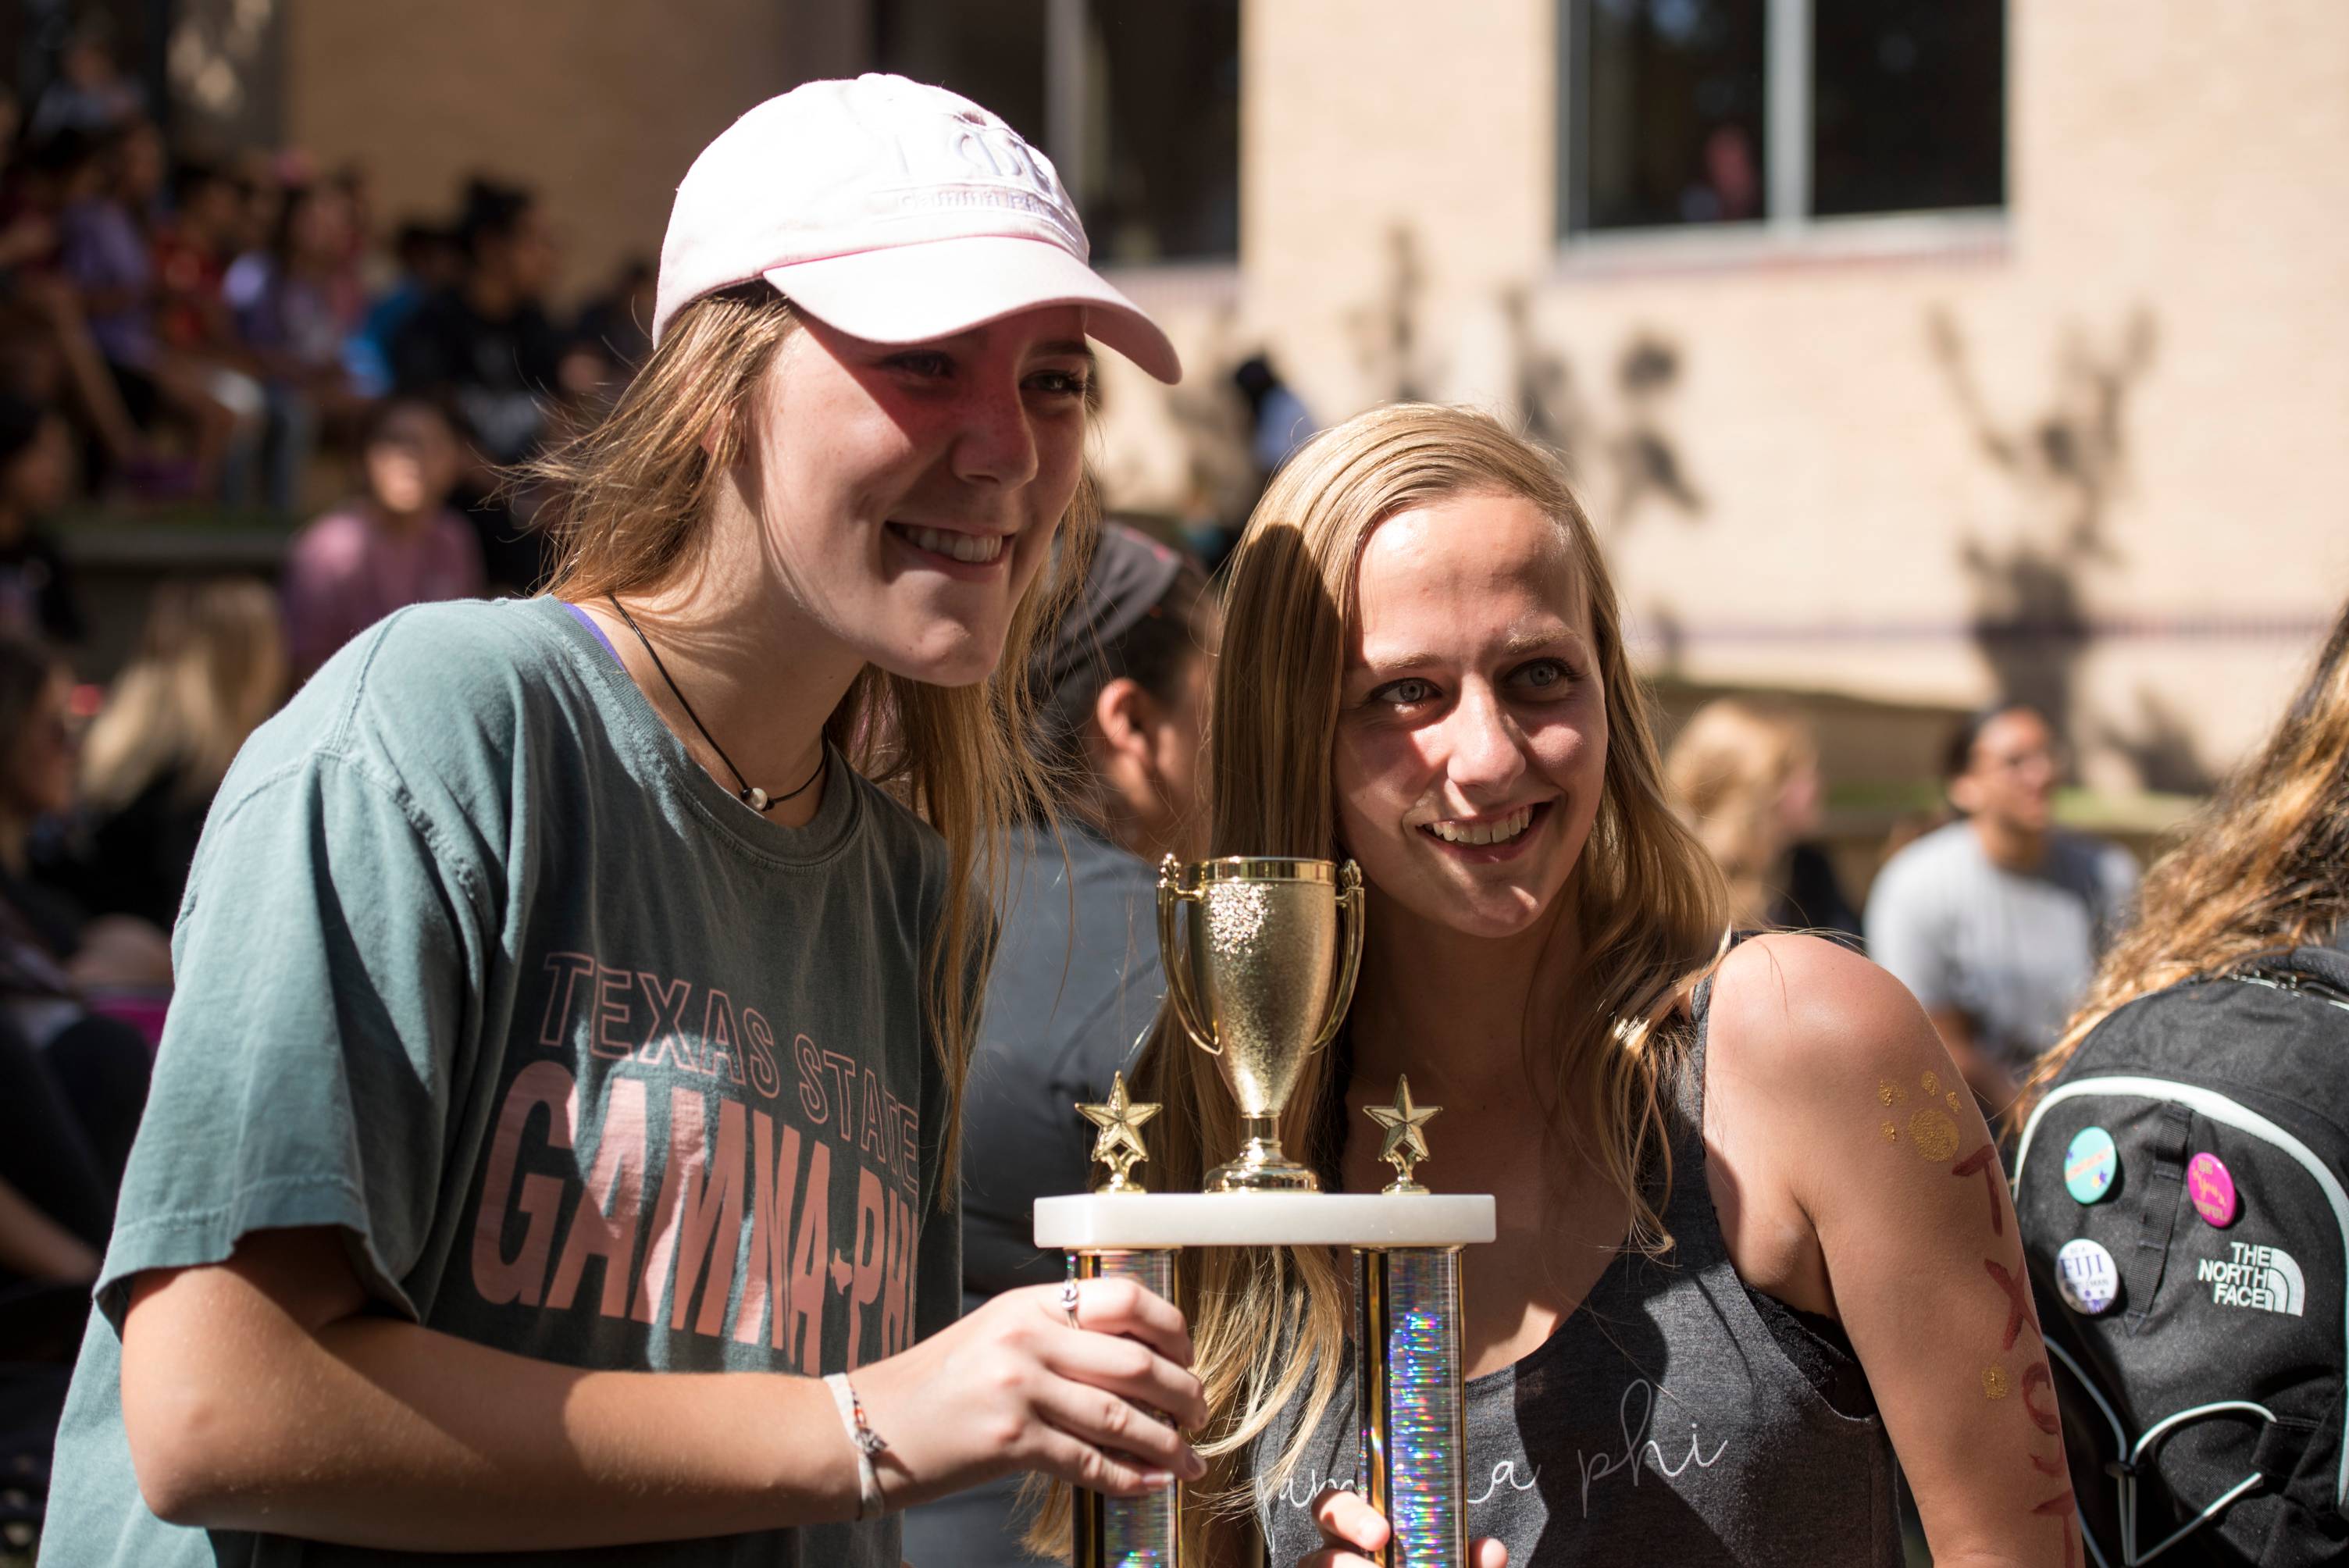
x=907, y=494
x=1471, y=749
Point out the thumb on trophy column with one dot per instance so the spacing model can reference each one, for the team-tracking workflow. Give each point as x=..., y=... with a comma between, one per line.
x=1351, y=1526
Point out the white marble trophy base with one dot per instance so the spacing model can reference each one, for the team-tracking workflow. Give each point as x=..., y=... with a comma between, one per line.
x=1092, y=1221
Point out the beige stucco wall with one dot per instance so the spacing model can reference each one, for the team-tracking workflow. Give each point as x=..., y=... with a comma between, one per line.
x=2167, y=293
x=2169, y=289
x=598, y=104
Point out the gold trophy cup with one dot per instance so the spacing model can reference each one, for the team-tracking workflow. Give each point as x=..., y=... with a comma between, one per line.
x=1260, y=983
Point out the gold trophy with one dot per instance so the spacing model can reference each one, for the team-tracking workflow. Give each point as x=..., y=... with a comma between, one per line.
x=1262, y=984
x=1259, y=978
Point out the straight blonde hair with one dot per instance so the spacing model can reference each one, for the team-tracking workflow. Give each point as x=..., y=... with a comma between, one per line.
x=630, y=503
x=1269, y=1325
x=2264, y=866
x=1725, y=775
x=211, y=665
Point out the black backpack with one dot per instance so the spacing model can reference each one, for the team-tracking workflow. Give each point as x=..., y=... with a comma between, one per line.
x=2202, y=1409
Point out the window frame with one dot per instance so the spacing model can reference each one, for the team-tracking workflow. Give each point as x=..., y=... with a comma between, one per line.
x=1068, y=92
x=1788, y=232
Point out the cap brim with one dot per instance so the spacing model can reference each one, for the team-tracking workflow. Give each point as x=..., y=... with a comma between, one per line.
x=910, y=293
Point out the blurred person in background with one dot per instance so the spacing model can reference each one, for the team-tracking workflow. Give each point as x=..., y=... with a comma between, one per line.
x=1744, y=774
x=91, y=94
x=488, y=346
x=1121, y=692
x=397, y=544
x=58, y=966
x=45, y=348
x=105, y=253
x=425, y=261
x=2229, y=990
x=1995, y=922
x=36, y=596
x=210, y=666
x=192, y=251
x=295, y=303
x=614, y=322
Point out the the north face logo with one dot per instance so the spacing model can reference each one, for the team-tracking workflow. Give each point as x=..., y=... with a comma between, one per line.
x=2262, y=1277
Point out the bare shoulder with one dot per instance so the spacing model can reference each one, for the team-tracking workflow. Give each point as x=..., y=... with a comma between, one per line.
x=1800, y=1013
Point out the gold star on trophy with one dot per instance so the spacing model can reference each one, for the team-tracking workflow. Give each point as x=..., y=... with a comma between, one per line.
x=1405, y=1145
x=1118, y=1145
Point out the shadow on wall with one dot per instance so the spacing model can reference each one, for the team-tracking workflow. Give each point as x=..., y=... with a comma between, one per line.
x=1616, y=438
x=2068, y=466
x=1625, y=457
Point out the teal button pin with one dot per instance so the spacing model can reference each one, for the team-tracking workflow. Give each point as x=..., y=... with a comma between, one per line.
x=2090, y=1164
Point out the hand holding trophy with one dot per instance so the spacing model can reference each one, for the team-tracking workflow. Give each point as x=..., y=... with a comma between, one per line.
x=1259, y=978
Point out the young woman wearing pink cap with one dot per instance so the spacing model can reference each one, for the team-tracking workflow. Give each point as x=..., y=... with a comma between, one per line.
x=571, y=1006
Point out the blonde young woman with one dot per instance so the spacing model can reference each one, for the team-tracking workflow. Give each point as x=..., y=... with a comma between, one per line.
x=211, y=665
x=1744, y=774
x=1753, y=1239
x=553, y=1140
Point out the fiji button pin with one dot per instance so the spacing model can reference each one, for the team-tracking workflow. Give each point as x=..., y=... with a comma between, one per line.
x=2089, y=1279
x=2212, y=1189
x=2090, y=1164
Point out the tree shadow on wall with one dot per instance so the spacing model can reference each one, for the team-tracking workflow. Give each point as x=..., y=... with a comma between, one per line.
x=1388, y=340
x=2068, y=464
x=1635, y=449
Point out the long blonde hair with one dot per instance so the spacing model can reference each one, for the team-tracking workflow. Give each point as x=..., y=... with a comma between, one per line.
x=211, y=665
x=2264, y=866
x=1726, y=775
x=1648, y=904
x=630, y=501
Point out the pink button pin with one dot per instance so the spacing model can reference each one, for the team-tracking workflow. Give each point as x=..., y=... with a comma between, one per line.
x=2212, y=1189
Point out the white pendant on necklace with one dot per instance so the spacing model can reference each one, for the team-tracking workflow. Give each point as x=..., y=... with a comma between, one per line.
x=757, y=799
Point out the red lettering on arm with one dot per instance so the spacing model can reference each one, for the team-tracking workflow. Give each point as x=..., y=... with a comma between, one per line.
x=2017, y=1286
x=1985, y=1160
x=2060, y=1508
x=2036, y=1377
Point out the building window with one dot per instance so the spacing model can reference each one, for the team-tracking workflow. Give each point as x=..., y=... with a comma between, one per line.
x=1683, y=112
x=1137, y=106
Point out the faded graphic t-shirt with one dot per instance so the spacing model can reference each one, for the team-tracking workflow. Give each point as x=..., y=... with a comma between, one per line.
x=589, y=1062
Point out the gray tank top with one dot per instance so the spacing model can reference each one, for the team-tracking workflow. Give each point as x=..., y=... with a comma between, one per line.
x=1675, y=1417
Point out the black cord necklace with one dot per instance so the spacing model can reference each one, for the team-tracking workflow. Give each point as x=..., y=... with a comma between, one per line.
x=756, y=798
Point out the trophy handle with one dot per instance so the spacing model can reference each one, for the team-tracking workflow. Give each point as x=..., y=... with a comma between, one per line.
x=1352, y=907
x=1175, y=959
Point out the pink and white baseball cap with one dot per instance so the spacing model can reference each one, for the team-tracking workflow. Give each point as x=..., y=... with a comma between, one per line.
x=894, y=212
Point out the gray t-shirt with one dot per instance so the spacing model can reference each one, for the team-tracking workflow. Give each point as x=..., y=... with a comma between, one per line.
x=589, y=1062
x=2012, y=951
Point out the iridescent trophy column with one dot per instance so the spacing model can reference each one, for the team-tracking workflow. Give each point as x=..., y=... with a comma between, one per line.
x=1407, y=1368
x=1260, y=980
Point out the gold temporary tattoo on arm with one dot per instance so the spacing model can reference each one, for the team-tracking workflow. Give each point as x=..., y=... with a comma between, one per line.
x=1932, y=1131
